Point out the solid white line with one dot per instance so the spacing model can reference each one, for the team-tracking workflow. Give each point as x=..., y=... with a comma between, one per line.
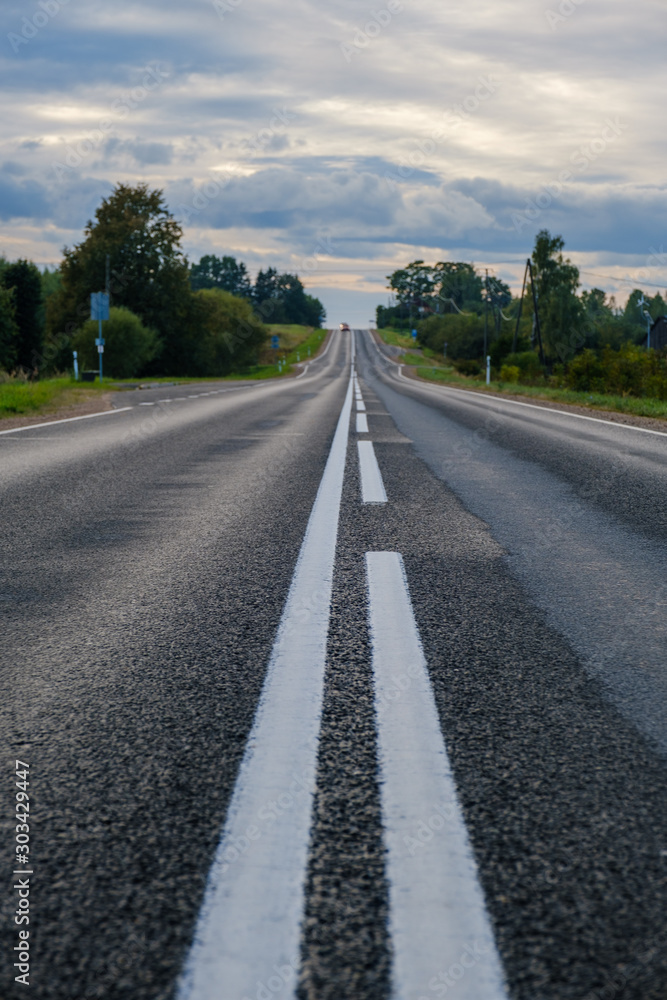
x=67, y=420
x=372, y=487
x=437, y=915
x=530, y=406
x=249, y=924
x=362, y=423
x=361, y=406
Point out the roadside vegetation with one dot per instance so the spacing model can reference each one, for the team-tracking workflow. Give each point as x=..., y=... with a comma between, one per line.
x=168, y=317
x=630, y=380
x=21, y=396
x=552, y=342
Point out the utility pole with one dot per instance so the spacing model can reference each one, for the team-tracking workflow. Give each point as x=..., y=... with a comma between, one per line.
x=518, y=319
x=486, y=309
x=537, y=315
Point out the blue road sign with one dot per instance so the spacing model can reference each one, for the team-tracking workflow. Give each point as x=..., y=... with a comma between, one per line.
x=99, y=305
x=414, y=334
x=274, y=341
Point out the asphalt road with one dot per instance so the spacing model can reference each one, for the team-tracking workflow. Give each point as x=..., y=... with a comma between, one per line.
x=152, y=558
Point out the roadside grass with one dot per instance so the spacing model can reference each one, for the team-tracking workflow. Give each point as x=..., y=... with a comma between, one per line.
x=22, y=398
x=633, y=405
x=296, y=343
x=397, y=338
x=17, y=397
x=440, y=371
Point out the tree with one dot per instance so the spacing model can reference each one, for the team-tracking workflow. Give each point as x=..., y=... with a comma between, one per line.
x=561, y=313
x=458, y=281
x=128, y=344
x=9, y=331
x=414, y=286
x=225, y=273
x=229, y=334
x=281, y=298
x=24, y=278
x=464, y=334
x=148, y=272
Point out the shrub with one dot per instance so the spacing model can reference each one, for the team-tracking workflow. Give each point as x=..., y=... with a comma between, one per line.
x=528, y=363
x=128, y=344
x=464, y=334
x=510, y=373
x=229, y=333
x=585, y=373
x=465, y=366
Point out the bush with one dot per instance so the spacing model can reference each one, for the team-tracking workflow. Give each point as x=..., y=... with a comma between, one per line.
x=464, y=334
x=128, y=344
x=630, y=371
x=528, y=363
x=466, y=366
x=585, y=373
x=510, y=373
x=229, y=333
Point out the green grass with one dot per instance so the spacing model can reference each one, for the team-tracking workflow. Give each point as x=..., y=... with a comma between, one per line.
x=397, y=338
x=440, y=371
x=18, y=398
x=30, y=397
x=295, y=343
x=592, y=400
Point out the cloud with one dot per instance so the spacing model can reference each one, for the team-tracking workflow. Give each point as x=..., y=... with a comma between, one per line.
x=261, y=103
x=22, y=199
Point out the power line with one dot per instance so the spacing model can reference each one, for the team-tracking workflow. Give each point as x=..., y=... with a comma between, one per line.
x=628, y=281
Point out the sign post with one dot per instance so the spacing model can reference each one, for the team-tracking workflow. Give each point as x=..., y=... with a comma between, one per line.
x=76, y=366
x=99, y=310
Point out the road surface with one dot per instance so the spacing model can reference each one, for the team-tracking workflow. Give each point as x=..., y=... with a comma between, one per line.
x=346, y=686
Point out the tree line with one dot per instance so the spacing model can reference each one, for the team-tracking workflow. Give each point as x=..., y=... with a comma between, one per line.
x=453, y=303
x=167, y=316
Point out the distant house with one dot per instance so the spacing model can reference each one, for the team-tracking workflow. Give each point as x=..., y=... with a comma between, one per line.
x=658, y=334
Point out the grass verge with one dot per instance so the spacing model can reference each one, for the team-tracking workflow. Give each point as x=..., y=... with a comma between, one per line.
x=17, y=398
x=439, y=371
x=633, y=405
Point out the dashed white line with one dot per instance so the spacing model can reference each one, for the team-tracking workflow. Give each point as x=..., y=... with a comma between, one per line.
x=362, y=423
x=253, y=906
x=438, y=919
x=361, y=406
x=372, y=487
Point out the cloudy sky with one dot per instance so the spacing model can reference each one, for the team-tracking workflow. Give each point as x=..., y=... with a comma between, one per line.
x=343, y=139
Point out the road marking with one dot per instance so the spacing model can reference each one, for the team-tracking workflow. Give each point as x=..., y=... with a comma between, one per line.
x=67, y=420
x=362, y=423
x=250, y=920
x=530, y=406
x=437, y=915
x=372, y=487
x=361, y=406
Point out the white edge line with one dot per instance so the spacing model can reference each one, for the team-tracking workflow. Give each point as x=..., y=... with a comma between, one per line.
x=67, y=420
x=437, y=911
x=250, y=920
x=503, y=399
